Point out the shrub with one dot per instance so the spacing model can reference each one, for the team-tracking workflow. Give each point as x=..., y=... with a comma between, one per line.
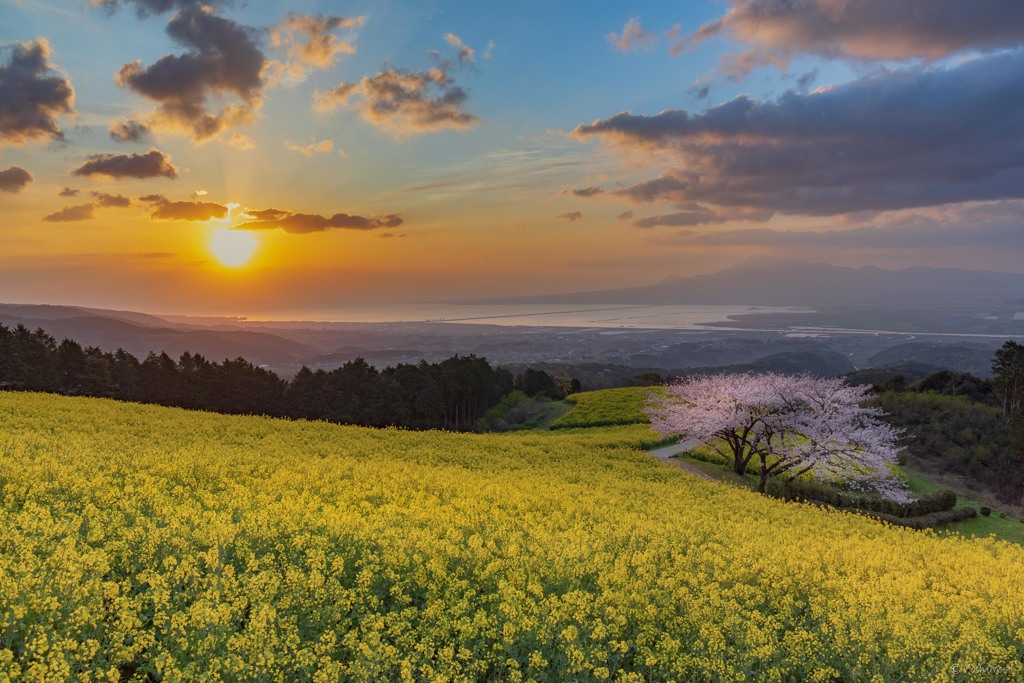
x=816, y=492
x=986, y=511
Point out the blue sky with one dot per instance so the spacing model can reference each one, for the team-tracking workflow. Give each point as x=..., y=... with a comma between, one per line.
x=396, y=151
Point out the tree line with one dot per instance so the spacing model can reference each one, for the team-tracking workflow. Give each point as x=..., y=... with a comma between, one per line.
x=450, y=394
x=957, y=424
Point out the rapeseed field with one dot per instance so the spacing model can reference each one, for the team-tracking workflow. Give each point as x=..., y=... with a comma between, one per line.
x=144, y=543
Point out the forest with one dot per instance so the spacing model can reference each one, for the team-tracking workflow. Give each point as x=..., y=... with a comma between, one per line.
x=450, y=394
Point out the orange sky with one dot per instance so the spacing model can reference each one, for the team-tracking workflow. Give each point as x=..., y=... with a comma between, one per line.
x=391, y=152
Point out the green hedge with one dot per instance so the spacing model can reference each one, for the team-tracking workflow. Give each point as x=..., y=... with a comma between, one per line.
x=941, y=500
x=929, y=520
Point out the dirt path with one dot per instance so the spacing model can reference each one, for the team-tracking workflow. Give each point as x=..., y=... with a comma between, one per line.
x=665, y=454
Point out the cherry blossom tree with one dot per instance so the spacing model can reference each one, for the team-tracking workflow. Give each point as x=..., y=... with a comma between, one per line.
x=789, y=424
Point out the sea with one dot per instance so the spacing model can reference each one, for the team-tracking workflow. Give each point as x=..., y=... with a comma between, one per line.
x=547, y=315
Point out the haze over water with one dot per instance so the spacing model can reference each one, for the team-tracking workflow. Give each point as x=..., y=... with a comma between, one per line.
x=551, y=315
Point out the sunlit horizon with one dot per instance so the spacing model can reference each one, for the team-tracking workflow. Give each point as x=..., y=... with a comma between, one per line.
x=394, y=152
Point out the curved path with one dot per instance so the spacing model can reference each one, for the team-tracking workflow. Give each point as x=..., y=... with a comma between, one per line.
x=665, y=454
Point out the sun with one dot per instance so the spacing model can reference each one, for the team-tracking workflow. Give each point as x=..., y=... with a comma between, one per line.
x=233, y=248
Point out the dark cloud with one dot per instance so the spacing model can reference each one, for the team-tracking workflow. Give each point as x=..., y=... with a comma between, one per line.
x=224, y=61
x=625, y=216
x=633, y=37
x=128, y=130
x=69, y=192
x=111, y=200
x=585, y=191
x=30, y=99
x=79, y=212
x=570, y=216
x=804, y=81
x=14, y=179
x=145, y=8
x=775, y=30
x=152, y=164
x=700, y=90
x=892, y=140
x=310, y=41
x=301, y=223
x=390, y=235
x=266, y=214
x=164, y=209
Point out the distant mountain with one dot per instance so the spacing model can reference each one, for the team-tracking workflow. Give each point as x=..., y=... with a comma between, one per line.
x=796, y=283
x=139, y=333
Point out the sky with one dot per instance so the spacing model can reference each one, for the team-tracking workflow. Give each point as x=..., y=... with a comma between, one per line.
x=286, y=159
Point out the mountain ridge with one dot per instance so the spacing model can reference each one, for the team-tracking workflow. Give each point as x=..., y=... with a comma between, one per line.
x=798, y=283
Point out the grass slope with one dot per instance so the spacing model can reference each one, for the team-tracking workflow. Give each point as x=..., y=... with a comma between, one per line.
x=606, y=407
x=146, y=543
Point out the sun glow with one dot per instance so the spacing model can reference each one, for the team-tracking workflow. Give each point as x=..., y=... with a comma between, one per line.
x=233, y=248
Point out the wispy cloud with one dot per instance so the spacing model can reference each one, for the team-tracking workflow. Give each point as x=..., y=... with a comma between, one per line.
x=313, y=41
x=321, y=146
x=633, y=37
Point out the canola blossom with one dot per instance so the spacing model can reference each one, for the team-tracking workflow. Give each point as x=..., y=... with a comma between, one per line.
x=146, y=543
x=608, y=407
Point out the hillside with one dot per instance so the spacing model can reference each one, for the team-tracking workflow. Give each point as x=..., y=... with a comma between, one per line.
x=157, y=543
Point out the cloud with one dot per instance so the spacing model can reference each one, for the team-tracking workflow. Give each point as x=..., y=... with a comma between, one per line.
x=128, y=130
x=14, y=179
x=700, y=89
x=633, y=37
x=111, y=200
x=570, y=216
x=697, y=215
x=224, y=62
x=145, y=8
x=404, y=102
x=183, y=211
x=302, y=223
x=310, y=42
x=322, y=146
x=152, y=164
x=69, y=192
x=239, y=141
x=993, y=224
x=489, y=51
x=465, y=52
x=30, y=99
x=776, y=30
x=892, y=140
x=407, y=102
x=591, y=191
x=79, y=212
